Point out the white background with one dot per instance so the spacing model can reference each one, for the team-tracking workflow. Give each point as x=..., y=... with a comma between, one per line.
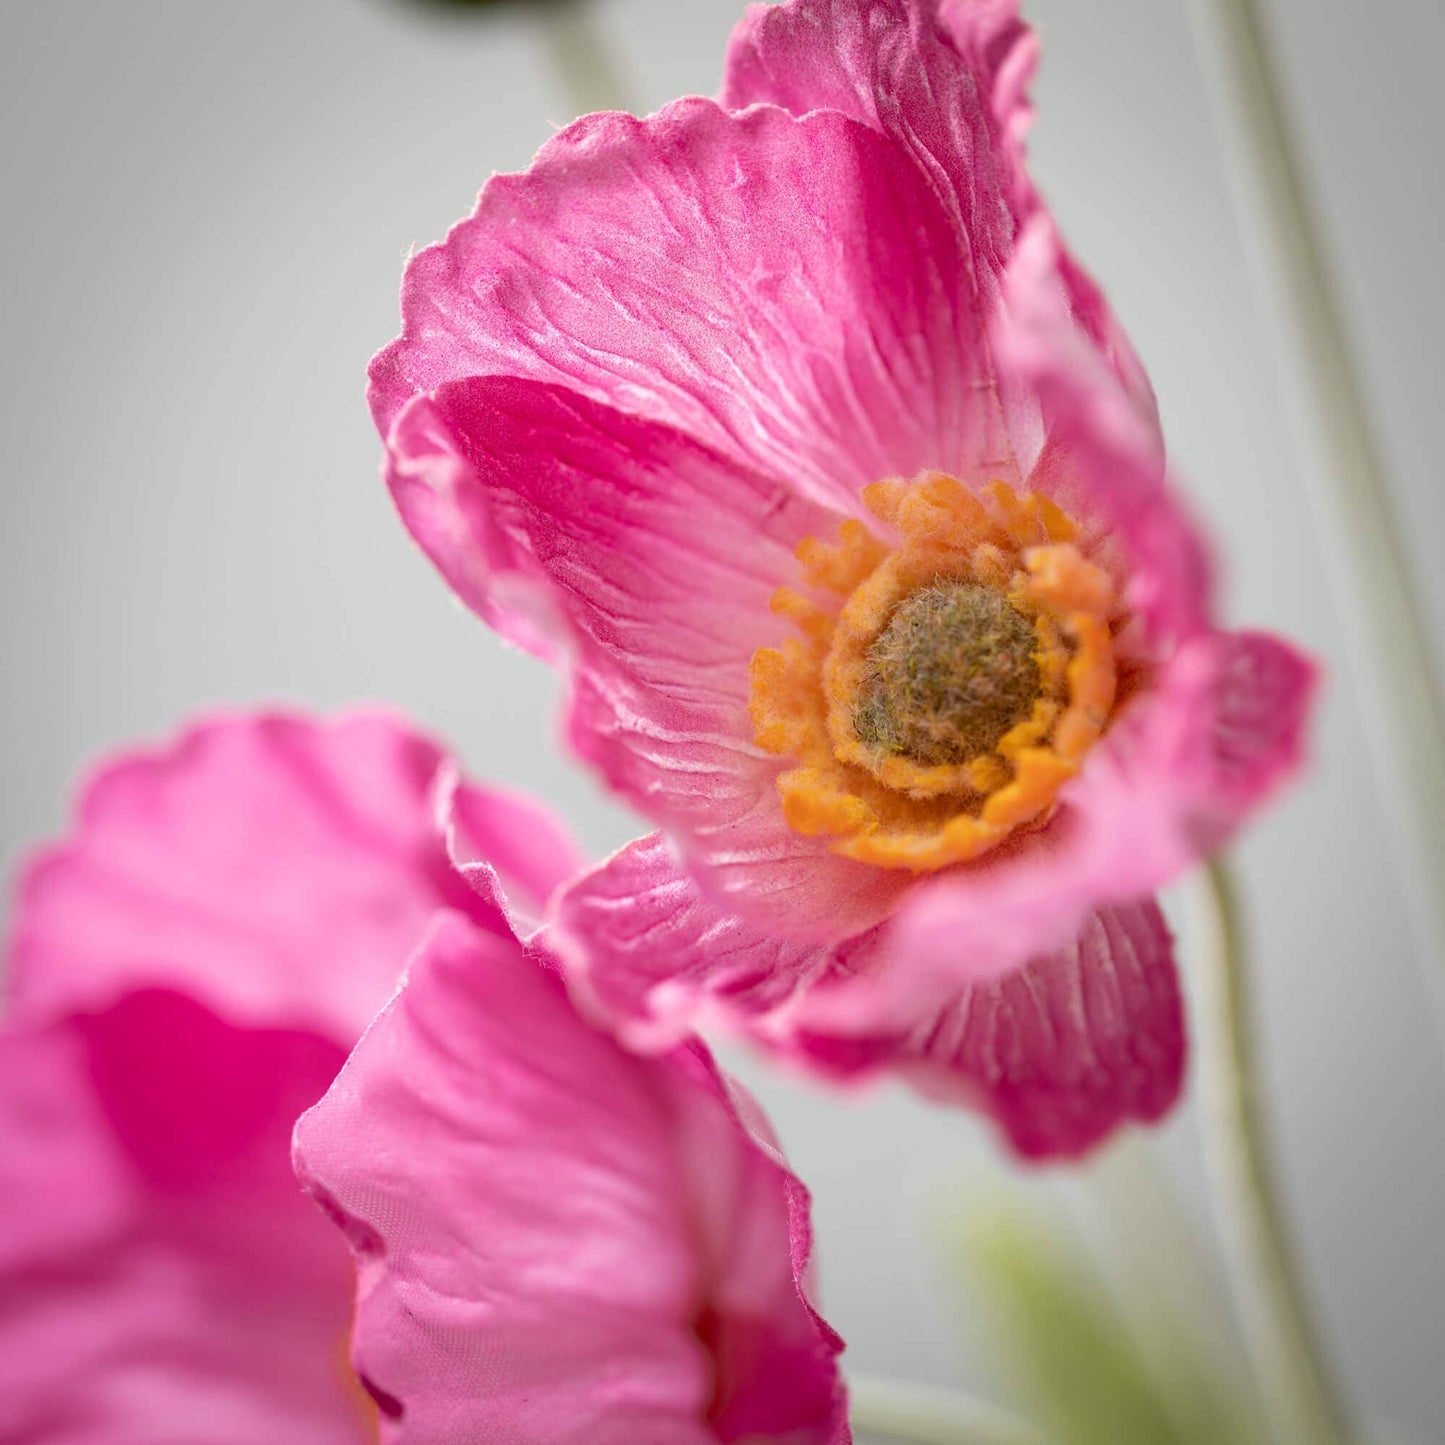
x=207, y=207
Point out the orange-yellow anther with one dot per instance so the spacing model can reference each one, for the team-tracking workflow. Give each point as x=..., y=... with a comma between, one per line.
x=939, y=511
x=841, y=565
x=811, y=804
x=815, y=621
x=1092, y=686
x=840, y=699
x=782, y=700
x=1061, y=580
x=884, y=498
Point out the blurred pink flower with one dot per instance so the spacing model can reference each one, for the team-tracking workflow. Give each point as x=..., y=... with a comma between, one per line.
x=187, y=971
x=787, y=426
x=185, y=974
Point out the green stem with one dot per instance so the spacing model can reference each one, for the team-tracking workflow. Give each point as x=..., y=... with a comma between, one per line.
x=1299, y=1396
x=910, y=1414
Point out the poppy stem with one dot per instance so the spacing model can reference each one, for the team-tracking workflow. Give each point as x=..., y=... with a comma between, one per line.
x=1299, y=1396
x=909, y=1414
x=589, y=73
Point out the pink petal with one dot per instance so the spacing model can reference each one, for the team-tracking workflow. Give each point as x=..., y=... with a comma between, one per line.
x=162, y=1279
x=948, y=88
x=1265, y=689
x=787, y=291
x=1060, y=1049
x=559, y=1241
x=653, y=560
x=1215, y=729
x=1060, y=1052
x=947, y=81
x=512, y=850
x=1101, y=456
x=276, y=868
x=656, y=958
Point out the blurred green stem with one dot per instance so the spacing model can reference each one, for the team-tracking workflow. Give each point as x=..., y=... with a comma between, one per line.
x=912, y=1414
x=1299, y=1396
x=589, y=73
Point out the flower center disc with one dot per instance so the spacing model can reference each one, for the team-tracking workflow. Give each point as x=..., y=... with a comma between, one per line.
x=945, y=688
x=954, y=670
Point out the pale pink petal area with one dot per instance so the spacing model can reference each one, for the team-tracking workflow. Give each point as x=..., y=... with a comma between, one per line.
x=653, y=560
x=1060, y=1048
x=558, y=1241
x=277, y=868
x=162, y=1279
x=655, y=957
x=788, y=291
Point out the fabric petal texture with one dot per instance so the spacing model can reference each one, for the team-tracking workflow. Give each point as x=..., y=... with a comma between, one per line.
x=559, y=1241
x=658, y=587
x=650, y=953
x=276, y=868
x=1058, y=1053
x=1100, y=456
x=784, y=290
x=947, y=81
x=696, y=408
x=189, y=967
x=948, y=90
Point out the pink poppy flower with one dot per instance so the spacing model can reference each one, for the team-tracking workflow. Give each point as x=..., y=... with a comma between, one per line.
x=560, y=1242
x=186, y=972
x=788, y=428
x=188, y=969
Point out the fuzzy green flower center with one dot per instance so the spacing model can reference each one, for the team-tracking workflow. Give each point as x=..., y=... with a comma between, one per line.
x=952, y=672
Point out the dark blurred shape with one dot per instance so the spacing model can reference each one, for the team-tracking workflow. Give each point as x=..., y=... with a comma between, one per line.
x=479, y=7
x=581, y=58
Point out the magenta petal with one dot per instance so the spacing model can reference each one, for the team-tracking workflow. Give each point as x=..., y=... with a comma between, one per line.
x=592, y=521
x=512, y=850
x=162, y=1280
x=653, y=561
x=947, y=87
x=277, y=868
x=1101, y=455
x=1263, y=697
x=1059, y=1052
x=559, y=1241
x=947, y=81
x=787, y=291
x=189, y=968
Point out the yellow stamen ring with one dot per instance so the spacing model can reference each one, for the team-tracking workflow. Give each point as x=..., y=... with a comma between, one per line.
x=881, y=806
